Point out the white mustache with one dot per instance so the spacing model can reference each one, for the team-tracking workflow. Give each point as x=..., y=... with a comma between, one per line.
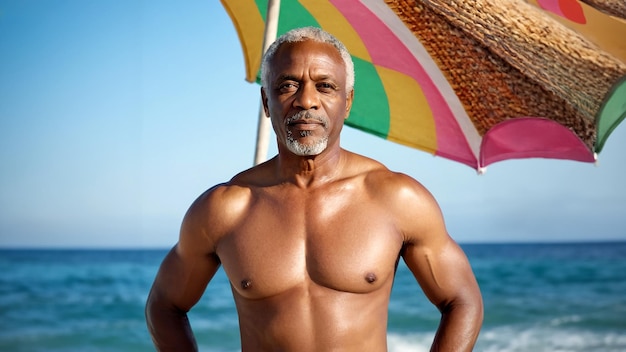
x=306, y=115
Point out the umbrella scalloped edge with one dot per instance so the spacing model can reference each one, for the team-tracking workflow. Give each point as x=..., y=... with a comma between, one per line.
x=532, y=137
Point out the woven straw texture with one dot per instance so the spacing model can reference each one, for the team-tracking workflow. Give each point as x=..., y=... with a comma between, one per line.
x=615, y=8
x=506, y=59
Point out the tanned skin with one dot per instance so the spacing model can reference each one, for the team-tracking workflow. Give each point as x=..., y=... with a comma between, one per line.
x=310, y=244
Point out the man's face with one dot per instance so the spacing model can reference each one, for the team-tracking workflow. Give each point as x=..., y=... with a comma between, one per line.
x=306, y=98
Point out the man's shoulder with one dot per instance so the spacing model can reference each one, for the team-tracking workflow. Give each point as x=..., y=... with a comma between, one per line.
x=360, y=165
x=223, y=196
x=234, y=195
x=215, y=212
x=239, y=186
x=414, y=208
x=377, y=174
x=383, y=182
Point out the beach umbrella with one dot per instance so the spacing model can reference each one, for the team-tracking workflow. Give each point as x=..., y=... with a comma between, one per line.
x=475, y=81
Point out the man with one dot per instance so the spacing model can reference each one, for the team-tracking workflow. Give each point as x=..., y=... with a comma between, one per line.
x=310, y=239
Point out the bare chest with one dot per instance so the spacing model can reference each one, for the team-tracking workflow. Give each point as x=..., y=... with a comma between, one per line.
x=339, y=240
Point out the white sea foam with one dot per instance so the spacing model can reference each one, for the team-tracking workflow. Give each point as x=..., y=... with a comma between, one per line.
x=418, y=342
x=541, y=338
x=510, y=339
x=565, y=320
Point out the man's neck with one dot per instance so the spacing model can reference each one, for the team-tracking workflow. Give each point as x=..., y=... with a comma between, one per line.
x=310, y=171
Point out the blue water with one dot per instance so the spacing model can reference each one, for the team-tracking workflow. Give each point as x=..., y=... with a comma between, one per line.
x=538, y=297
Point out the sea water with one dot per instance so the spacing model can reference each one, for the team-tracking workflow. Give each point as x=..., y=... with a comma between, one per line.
x=538, y=297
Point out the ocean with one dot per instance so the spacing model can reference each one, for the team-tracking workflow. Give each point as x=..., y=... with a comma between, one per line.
x=538, y=297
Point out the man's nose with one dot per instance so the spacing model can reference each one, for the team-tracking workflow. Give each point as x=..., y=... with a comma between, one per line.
x=307, y=97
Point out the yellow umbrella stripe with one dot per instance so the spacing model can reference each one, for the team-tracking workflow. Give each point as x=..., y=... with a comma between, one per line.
x=250, y=28
x=412, y=121
x=331, y=20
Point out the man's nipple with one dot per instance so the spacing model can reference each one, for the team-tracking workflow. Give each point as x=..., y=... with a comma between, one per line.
x=246, y=284
x=370, y=278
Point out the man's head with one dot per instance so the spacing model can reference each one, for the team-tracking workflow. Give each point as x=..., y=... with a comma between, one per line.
x=307, y=90
x=302, y=34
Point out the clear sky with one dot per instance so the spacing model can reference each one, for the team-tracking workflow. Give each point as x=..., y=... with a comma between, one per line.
x=115, y=115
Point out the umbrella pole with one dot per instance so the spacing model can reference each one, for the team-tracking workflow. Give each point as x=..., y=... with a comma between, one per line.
x=263, y=128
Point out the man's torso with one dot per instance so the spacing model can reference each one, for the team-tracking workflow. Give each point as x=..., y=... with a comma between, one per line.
x=313, y=265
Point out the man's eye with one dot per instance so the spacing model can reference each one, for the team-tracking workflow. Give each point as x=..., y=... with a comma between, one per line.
x=326, y=86
x=287, y=87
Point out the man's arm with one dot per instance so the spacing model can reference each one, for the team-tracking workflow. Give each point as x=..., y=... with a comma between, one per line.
x=443, y=272
x=447, y=280
x=180, y=283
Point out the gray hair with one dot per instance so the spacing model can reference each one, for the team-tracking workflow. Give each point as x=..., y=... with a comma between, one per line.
x=299, y=35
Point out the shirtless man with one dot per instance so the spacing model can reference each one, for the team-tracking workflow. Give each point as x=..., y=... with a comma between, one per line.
x=310, y=239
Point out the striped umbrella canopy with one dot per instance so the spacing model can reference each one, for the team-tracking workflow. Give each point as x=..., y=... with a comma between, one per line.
x=473, y=81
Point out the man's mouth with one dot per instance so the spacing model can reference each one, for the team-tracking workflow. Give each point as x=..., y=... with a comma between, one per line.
x=305, y=120
x=305, y=124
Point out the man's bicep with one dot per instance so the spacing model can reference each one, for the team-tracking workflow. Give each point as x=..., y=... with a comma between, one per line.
x=442, y=271
x=183, y=277
x=179, y=285
x=189, y=266
x=444, y=274
x=436, y=260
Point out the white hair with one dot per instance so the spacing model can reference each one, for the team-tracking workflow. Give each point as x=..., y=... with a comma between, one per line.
x=307, y=33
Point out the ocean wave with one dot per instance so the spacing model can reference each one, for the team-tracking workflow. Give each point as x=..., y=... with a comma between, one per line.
x=418, y=342
x=541, y=338
x=512, y=339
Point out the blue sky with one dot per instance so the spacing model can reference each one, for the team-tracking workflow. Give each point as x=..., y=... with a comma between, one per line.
x=116, y=115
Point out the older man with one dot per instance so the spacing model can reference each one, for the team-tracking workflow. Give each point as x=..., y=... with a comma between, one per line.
x=310, y=240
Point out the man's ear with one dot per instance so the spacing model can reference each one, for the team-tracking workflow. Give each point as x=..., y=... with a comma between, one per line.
x=349, y=100
x=264, y=102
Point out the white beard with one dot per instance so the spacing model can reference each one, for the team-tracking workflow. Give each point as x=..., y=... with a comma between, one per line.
x=303, y=149
x=306, y=150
